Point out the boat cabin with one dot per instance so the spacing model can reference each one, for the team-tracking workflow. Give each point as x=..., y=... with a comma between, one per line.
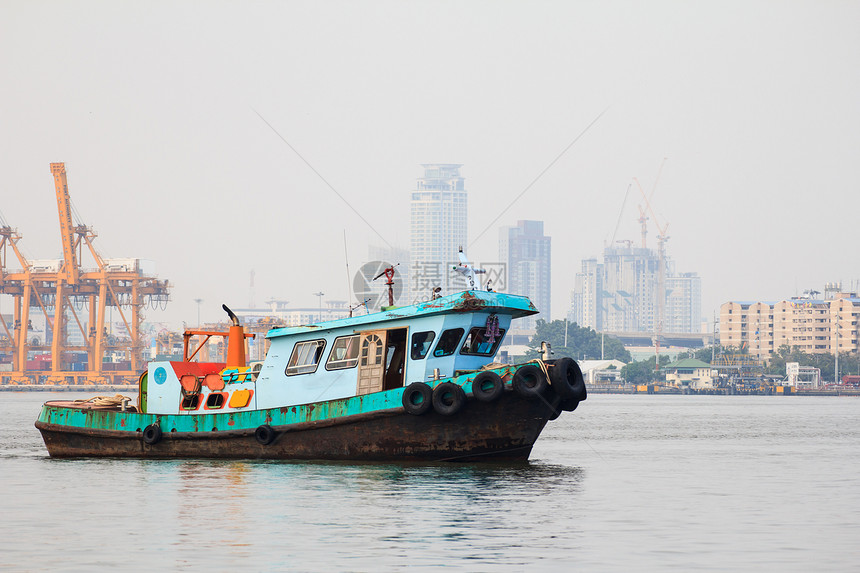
x=343, y=358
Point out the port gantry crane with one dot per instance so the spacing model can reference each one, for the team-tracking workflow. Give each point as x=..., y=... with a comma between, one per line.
x=61, y=290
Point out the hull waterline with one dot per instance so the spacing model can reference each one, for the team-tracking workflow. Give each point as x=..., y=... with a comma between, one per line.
x=505, y=429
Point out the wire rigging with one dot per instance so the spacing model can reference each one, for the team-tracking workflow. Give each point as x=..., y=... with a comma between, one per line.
x=323, y=179
x=535, y=180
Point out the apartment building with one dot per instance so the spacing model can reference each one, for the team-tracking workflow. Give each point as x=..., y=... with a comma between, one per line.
x=811, y=325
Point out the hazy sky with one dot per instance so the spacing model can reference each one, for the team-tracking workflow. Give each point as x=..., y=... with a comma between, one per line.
x=153, y=108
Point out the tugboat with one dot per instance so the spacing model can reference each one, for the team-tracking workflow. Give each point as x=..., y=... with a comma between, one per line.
x=414, y=383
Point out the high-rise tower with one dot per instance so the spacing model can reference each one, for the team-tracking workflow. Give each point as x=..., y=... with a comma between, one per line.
x=438, y=228
x=621, y=294
x=527, y=253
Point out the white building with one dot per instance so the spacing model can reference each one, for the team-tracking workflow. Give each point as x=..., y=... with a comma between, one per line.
x=690, y=373
x=438, y=228
x=587, y=298
x=683, y=303
x=601, y=371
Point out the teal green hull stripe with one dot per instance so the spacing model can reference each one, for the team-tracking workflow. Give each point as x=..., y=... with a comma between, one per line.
x=132, y=421
x=231, y=421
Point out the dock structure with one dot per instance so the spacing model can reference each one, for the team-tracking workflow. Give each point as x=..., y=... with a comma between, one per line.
x=75, y=302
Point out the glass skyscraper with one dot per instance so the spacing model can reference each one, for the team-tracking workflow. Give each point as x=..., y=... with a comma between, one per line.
x=438, y=217
x=527, y=253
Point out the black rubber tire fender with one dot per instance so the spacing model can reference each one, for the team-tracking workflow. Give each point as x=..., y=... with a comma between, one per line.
x=487, y=387
x=563, y=406
x=448, y=398
x=529, y=381
x=152, y=434
x=567, y=380
x=417, y=398
x=265, y=434
x=568, y=405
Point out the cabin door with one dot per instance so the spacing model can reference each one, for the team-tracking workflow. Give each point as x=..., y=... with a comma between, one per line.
x=371, y=362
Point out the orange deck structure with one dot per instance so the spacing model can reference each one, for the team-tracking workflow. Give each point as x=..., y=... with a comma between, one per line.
x=71, y=297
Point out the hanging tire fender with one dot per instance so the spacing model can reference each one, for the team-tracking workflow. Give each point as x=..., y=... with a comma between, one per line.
x=487, y=387
x=417, y=398
x=568, y=405
x=567, y=380
x=152, y=434
x=529, y=381
x=265, y=434
x=448, y=398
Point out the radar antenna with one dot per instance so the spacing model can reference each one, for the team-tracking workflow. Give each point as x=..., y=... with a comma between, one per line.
x=467, y=270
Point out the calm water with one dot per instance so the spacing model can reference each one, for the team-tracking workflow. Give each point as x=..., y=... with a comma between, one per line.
x=626, y=483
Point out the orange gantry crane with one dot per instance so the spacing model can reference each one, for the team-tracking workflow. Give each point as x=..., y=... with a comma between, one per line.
x=70, y=296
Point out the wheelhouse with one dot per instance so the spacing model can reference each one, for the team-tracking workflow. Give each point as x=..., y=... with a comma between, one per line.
x=349, y=357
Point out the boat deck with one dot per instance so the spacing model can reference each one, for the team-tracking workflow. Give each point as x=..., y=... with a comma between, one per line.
x=91, y=404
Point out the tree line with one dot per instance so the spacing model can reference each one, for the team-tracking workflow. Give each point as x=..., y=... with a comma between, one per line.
x=582, y=343
x=849, y=363
x=585, y=344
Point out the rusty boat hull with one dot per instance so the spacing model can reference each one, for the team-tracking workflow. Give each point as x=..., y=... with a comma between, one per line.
x=503, y=430
x=364, y=388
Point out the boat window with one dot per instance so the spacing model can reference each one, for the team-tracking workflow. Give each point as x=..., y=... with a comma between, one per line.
x=215, y=400
x=344, y=353
x=190, y=402
x=305, y=358
x=479, y=344
x=448, y=342
x=421, y=342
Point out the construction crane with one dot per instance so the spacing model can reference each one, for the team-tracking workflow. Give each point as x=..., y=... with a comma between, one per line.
x=61, y=290
x=643, y=219
x=612, y=241
x=662, y=237
x=643, y=222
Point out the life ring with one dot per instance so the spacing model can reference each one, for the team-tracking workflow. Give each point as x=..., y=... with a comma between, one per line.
x=152, y=434
x=417, y=398
x=448, y=398
x=529, y=381
x=567, y=381
x=487, y=387
x=265, y=434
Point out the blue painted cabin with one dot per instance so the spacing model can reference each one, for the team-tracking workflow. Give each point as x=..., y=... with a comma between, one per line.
x=348, y=357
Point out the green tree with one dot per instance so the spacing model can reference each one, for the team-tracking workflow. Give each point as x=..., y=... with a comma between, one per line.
x=581, y=342
x=643, y=371
x=703, y=354
x=849, y=363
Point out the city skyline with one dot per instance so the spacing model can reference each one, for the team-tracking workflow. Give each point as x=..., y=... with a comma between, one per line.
x=622, y=293
x=450, y=173
x=271, y=170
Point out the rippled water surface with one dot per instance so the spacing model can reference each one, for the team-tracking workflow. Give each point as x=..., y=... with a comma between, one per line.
x=625, y=483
